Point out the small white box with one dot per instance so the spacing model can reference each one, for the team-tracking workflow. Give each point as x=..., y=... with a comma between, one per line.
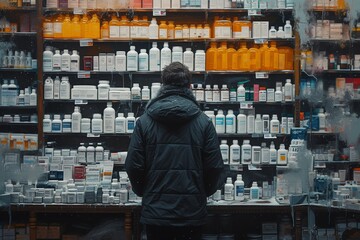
x=102, y=61
x=119, y=94
x=256, y=29
x=110, y=62
x=165, y=4
x=84, y=92
x=264, y=29
x=68, y=172
x=96, y=63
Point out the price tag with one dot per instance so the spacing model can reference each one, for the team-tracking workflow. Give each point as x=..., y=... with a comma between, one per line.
x=92, y=135
x=79, y=11
x=260, y=40
x=246, y=105
x=83, y=74
x=254, y=168
x=237, y=167
x=254, y=12
x=269, y=136
x=159, y=12
x=81, y=102
x=86, y=43
x=261, y=75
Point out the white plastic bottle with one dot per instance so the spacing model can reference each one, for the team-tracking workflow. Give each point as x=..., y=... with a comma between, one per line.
x=216, y=93
x=241, y=123
x=33, y=97
x=280, y=33
x=246, y=152
x=66, y=123
x=250, y=123
x=258, y=127
x=65, y=61
x=288, y=29
x=224, y=149
x=220, y=122
x=99, y=153
x=153, y=29
x=230, y=122
x=120, y=61
x=9, y=187
x=132, y=60
x=21, y=98
x=56, y=61
x=273, y=154
x=48, y=88
x=81, y=153
x=136, y=92
x=90, y=153
x=74, y=61
x=272, y=32
x=278, y=95
x=27, y=96
x=200, y=58
x=47, y=123
x=57, y=87
x=143, y=60
x=109, y=119
x=265, y=154
x=120, y=123
x=65, y=88
x=288, y=91
x=5, y=92
x=274, y=125
x=177, y=54
x=145, y=93
x=76, y=120
x=154, y=58
x=130, y=123
x=165, y=55
x=254, y=191
x=48, y=60
x=96, y=124
x=235, y=153
x=266, y=123
x=155, y=87
x=282, y=156
x=255, y=155
x=56, y=124
x=13, y=92
x=224, y=94
x=229, y=190
x=239, y=188
x=103, y=90
x=189, y=59
x=322, y=119
x=241, y=93
x=208, y=93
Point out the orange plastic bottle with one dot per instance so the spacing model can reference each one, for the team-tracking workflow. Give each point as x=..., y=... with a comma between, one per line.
x=171, y=30
x=222, y=57
x=216, y=19
x=274, y=57
x=114, y=31
x=236, y=28
x=48, y=27
x=286, y=58
x=76, y=27
x=243, y=57
x=94, y=27
x=255, y=58
x=58, y=26
x=104, y=30
x=163, y=30
x=211, y=57
x=143, y=30
x=85, y=28
x=264, y=55
x=124, y=27
x=67, y=32
x=230, y=53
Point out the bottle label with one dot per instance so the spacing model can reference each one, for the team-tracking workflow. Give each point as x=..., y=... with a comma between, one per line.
x=58, y=28
x=124, y=32
x=74, y=65
x=224, y=154
x=236, y=155
x=132, y=63
x=114, y=31
x=219, y=121
x=66, y=126
x=246, y=158
x=163, y=33
x=48, y=28
x=56, y=127
x=120, y=127
x=239, y=190
x=230, y=121
x=131, y=125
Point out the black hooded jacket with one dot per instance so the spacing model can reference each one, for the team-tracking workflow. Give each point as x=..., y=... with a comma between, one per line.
x=174, y=161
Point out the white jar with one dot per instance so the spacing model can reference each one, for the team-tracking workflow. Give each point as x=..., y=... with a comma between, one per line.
x=135, y=92
x=155, y=87
x=66, y=124
x=85, y=125
x=47, y=123
x=56, y=124
x=103, y=90
x=97, y=123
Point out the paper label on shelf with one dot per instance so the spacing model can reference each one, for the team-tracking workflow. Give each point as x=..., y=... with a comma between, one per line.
x=86, y=43
x=246, y=105
x=269, y=136
x=92, y=135
x=83, y=74
x=260, y=40
x=159, y=12
x=81, y=102
x=254, y=12
x=261, y=75
x=79, y=11
x=237, y=167
x=254, y=168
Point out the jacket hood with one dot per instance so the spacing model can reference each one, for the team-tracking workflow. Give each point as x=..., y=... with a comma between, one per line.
x=173, y=105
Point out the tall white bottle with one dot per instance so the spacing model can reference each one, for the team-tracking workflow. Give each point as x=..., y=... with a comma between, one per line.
x=109, y=119
x=288, y=95
x=120, y=61
x=274, y=125
x=48, y=88
x=224, y=149
x=90, y=153
x=143, y=60
x=282, y=157
x=200, y=59
x=273, y=154
x=266, y=123
x=239, y=188
x=265, y=154
x=48, y=60
x=165, y=55
x=130, y=123
x=250, y=123
x=154, y=58
x=240, y=93
x=57, y=83
x=56, y=61
x=132, y=59
x=220, y=122
x=76, y=120
x=288, y=29
x=228, y=190
x=258, y=125
x=322, y=119
x=241, y=123
x=74, y=61
x=230, y=122
x=235, y=153
x=65, y=88
x=65, y=61
x=246, y=152
x=153, y=29
x=120, y=123
x=189, y=59
x=33, y=97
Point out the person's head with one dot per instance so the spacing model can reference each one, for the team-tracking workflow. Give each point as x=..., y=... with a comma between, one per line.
x=176, y=74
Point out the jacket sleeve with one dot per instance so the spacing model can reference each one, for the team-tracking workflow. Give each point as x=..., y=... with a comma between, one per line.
x=135, y=160
x=214, y=172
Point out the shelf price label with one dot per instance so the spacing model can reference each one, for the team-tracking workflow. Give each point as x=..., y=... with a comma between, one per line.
x=261, y=75
x=81, y=102
x=254, y=12
x=86, y=43
x=260, y=40
x=254, y=168
x=269, y=136
x=92, y=135
x=79, y=11
x=246, y=105
x=236, y=167
x=159, y=12
x=83, y=74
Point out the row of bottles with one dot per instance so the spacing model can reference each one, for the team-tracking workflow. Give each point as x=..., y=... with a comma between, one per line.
x=18, y=3
x=235, y=191
x=95, y=4
x=255, y=58
x=16, y=59
x=6, y=26
x=255, y=155
x=10, y=95
x=250, y=124
x=19, y=118
x=327, y=4
x=20, y=141
x=90, y=153
x=75, y=123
